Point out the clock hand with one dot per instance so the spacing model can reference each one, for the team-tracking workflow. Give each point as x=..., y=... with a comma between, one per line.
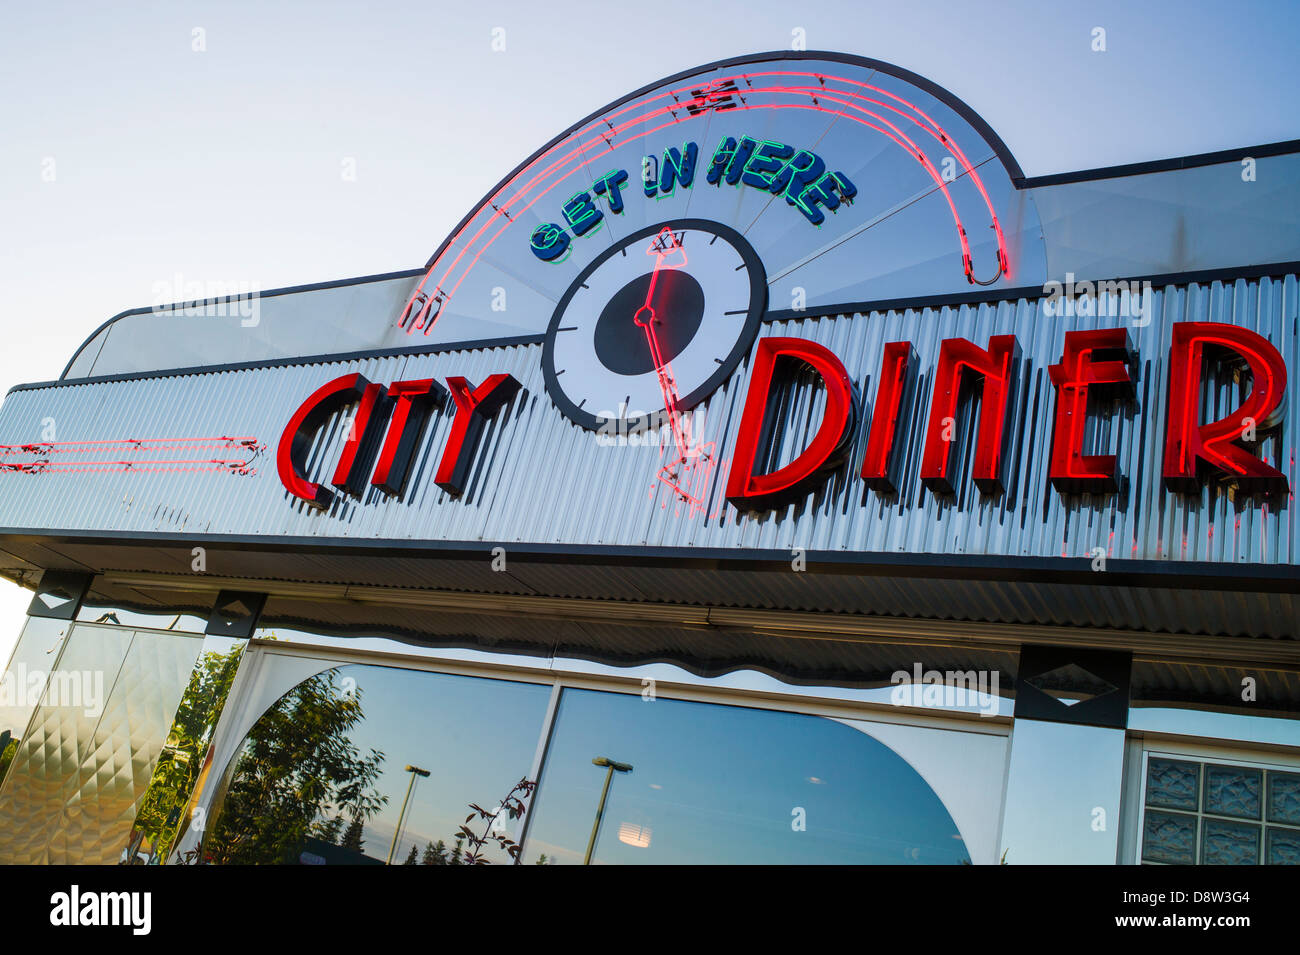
x=646, y=317
x=687, y=474
x=665, y=242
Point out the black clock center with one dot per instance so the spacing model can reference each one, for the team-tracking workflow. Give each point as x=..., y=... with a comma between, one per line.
x=678, y=303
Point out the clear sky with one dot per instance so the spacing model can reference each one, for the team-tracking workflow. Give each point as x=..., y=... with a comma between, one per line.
x=174, y=142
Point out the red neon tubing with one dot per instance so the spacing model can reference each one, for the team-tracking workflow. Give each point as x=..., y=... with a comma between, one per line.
x=925, y=162
x=711, y=90
x=581, y=148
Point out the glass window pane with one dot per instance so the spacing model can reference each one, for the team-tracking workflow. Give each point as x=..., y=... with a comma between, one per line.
x=1229, y=843
x=1284, y=798
x=24, y=680
x=1283, y=847
x=1233, y=791
x=323, y=776
x=1169, y=837
x=726, y=784
x=1172, y=783
x=162, y=815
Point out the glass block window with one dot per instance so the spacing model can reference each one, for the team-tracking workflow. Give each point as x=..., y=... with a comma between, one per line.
x=1209, y=813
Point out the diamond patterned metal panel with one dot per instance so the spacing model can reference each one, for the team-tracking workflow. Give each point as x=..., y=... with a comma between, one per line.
x=76, y=783
x=114, y=774
x=44, y=769
x=34, y=656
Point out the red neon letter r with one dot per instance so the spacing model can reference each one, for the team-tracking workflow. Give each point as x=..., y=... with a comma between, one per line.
x=1188, y=443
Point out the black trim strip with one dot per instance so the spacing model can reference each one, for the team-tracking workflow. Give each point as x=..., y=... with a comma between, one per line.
x=977, y=122
x=1018, y=178
x=287, y=362
x=1200, y=575
x=969, y=115
x=1162, y=165
x=1031, y=292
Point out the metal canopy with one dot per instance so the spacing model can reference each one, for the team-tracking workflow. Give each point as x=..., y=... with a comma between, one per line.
x=1244, y=602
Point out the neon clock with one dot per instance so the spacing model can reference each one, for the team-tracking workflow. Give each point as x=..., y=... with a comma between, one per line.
x=645, y=249
x=646, y=245
x=850, y=178
x=654, y=323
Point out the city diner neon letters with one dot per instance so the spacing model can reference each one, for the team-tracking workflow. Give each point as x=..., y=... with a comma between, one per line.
x=388, y=421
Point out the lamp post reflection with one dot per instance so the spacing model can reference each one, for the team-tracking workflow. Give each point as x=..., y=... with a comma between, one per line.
x=612, y=767
x=414, y=771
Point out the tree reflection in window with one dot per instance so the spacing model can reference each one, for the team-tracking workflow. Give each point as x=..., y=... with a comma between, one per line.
x=324, y=775
x=299, y=776
x=8, y=747
x=161, y=817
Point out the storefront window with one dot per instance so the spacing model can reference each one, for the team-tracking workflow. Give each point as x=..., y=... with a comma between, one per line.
x=361, y=764
x=1220, y=814
x=703, y=783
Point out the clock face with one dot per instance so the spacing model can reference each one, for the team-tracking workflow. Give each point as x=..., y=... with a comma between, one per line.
x=662, y=315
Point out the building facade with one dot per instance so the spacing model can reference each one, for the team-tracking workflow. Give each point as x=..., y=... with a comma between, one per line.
x=766, y=470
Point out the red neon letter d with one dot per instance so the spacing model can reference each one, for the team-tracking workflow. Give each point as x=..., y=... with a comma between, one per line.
x=748, y=490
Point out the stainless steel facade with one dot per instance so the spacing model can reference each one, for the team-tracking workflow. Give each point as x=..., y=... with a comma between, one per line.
x=539, y=479
x=80, y=775
x=615, y=583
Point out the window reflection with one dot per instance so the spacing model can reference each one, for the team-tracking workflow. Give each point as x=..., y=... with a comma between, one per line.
x=727, y=784
x=143, y=619
x=162, y=817
x=23, y=681
x=324, y=775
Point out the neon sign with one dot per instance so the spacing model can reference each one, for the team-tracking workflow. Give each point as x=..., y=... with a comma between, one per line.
x=224, y=453
x=798, y=175
x=868, y=104
x=1097, y=362
x=398, y=413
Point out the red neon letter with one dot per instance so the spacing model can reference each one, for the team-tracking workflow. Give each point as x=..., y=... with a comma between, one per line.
x=350, y=475
x=1189, y=443
x=884, y=417
x=409, y=415
x=745, y=489
x=994, y=365
x=1072, y=471
x=474, y=406
x=298, y=434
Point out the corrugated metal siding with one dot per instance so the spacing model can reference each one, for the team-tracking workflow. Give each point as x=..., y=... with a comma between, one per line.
x=540, y=479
